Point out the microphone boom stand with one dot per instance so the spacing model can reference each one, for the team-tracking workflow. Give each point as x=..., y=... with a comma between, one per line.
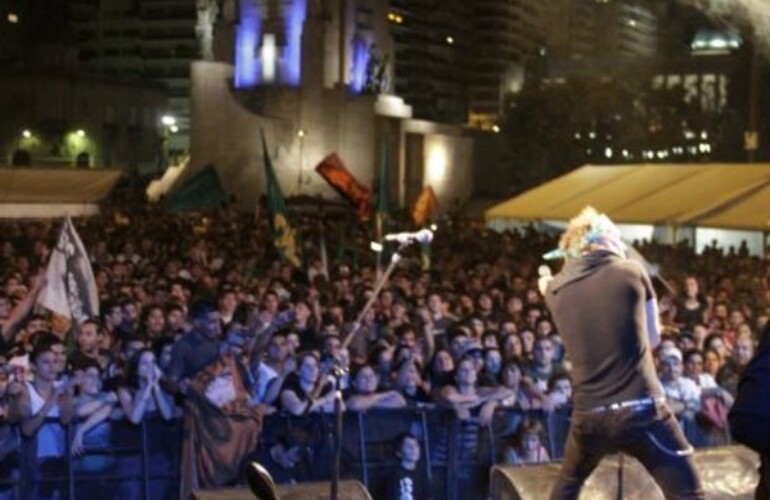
x=337, y=441
x=394, y=260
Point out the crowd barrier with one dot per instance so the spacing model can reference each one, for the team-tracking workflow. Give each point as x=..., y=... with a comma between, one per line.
x=142, y=461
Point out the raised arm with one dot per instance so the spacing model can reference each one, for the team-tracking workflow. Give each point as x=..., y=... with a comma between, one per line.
x=134, y=407
x=94, y=419
x=23, y=308
x=162, y=400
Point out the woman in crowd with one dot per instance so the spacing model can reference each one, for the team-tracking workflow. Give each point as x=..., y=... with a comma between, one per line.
x=410, y=384
x=692, y=307
x=142, y=394
x=521, y=396
x=712, y=362
x=142, y=397
x=307, y=391
x=513, y=348
x=440, y=371
x=466, y=398
x=365, y=395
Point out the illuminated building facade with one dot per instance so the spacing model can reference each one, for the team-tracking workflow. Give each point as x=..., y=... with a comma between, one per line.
x=316, y=76
x=510, y=34
x=432, y=53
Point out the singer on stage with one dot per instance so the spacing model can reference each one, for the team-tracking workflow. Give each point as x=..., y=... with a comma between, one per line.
x=604, y=307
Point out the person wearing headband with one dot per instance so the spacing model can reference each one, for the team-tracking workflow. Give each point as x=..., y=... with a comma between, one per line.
x=604, y=306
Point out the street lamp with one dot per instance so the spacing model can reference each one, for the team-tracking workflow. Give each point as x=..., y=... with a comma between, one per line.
x=168, y=120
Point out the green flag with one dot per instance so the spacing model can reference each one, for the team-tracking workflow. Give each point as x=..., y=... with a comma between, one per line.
x=284, y=237
x=383, y=193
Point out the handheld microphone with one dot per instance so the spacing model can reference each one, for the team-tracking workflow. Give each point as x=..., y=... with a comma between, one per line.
x=421, y=236
x=545, y=277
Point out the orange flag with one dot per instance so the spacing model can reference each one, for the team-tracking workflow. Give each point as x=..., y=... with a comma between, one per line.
x=334, y=172
x=424, y=206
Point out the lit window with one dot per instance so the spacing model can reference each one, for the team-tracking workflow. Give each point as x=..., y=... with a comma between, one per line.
x=13, y=18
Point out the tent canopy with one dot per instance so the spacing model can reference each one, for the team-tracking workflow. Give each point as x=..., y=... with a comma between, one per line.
x=731, y=196
x=53, y=192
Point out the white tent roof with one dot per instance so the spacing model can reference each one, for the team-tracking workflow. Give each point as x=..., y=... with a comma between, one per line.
x=715, y=195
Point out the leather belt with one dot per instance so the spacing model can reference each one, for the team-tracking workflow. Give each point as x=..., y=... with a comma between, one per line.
x=635, y=404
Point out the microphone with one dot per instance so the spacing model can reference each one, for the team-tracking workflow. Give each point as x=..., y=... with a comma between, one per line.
x=545, y=277
x=421, y=236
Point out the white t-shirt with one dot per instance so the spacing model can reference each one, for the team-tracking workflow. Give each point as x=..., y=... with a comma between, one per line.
x=682, y=389
x=50, y=436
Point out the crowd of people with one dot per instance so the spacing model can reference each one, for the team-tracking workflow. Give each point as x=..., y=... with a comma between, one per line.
x=462, y=327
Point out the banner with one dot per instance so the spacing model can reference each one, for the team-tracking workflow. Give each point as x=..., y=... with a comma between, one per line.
x=424, y=206
x=339, y=177
x=70, y=289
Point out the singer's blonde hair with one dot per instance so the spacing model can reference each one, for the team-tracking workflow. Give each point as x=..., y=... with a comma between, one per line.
x=590, y=230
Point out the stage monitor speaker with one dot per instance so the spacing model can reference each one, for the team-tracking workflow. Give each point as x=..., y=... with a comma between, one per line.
x=728, y=472
x=349, y=490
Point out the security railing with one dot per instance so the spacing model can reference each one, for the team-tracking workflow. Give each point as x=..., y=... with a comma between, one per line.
x=122, y=460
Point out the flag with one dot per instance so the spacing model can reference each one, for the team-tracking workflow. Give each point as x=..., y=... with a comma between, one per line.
x=70, y=289
x=383, y=194
x=333, y=170
x=284, y=236
x=424, y=206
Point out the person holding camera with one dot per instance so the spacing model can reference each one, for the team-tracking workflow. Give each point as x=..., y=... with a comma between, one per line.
x=44, y=407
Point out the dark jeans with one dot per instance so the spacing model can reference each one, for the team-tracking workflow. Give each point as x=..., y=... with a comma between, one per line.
x=651, y=435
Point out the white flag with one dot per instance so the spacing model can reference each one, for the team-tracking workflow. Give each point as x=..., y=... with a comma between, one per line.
x=70, y=288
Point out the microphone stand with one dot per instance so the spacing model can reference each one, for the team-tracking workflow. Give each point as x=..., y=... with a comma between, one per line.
x=337, y=372
x=394, y=260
